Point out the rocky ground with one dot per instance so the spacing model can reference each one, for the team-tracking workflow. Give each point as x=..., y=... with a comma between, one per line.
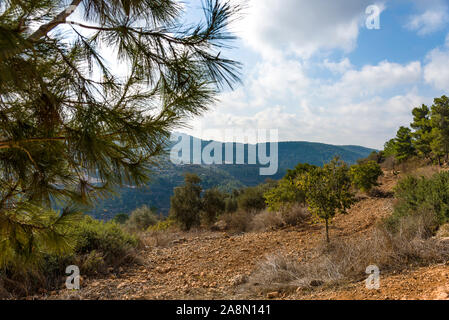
x=214, y=265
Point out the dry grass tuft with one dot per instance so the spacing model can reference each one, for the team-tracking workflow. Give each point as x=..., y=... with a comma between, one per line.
x=347, y=260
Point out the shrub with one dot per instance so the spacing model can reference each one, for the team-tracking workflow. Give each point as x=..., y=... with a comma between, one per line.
x=266, y=220
x=186, y=203
x=213, y=205
x=252, y=198
x=239, y=221
x=141, y=218
x=295, y=215
x=95, y=246
x=231, y=205
x=105, y=238
x=284, y=195
x=417, y=196
x=364, y=176
x=121, y=218
x=163, y=225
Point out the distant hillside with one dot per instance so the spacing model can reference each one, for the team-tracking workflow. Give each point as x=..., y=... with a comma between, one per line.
x=227, y=176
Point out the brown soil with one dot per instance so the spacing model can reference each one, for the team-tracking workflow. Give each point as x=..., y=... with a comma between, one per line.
x=212, y=265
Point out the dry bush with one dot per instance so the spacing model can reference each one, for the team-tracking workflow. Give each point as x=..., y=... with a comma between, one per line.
x=239, y=221
x=266, y=220
x=443, y=231
x=295, y=215
x=412, y=165
x=348, y=259
x=389, y=164
x=427, y=171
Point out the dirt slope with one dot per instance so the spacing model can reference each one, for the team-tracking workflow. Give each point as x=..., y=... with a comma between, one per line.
x=209, y=265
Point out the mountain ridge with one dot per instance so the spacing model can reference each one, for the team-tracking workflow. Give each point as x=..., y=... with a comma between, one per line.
x=166, y=176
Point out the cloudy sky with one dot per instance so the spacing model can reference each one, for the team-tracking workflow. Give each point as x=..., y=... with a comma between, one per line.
x=315, y=72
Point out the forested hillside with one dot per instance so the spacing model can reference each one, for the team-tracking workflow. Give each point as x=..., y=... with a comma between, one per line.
x=227, y=177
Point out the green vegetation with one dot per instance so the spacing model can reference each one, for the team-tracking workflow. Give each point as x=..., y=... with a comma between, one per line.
x=186, y=203
x=142, y=218
x=284, y=195
x=252, y=198
x=226, y=178
x=328, y=191
x=429, y=138
x=364, y=176
x=287, y=193
x=121, y=218
x=213, y=205
x=72, y=131
x=92, y=245
x=420, y=197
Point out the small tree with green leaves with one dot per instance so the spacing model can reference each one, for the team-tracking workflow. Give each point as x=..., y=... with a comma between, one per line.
x=186, y=203
x=213, y=205
x=284, y=195
x=364, y=176
x=328, y=191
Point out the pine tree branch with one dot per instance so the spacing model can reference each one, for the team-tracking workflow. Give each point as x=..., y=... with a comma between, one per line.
x=59, y=19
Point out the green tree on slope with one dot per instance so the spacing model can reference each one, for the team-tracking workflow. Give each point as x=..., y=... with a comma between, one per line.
x=328, y=191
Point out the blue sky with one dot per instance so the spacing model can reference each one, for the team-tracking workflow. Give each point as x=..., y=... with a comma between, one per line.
x=314, y=71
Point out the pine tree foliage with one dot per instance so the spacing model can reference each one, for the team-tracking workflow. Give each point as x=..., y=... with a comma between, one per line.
x=422, y=134
x=404, y=144
x=89, y=91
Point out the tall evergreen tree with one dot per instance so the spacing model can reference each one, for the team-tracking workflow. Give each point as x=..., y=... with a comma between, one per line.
x=440, y=127
x=422, y=135
x=403, y=144
x=390, y=148
x=71, y=126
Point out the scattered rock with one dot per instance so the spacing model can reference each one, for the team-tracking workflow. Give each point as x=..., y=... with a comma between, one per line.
x=220, y=226
x=316, y=283
x=178, y=241
x=272, y=295
x=239, y=279
x=121, y=285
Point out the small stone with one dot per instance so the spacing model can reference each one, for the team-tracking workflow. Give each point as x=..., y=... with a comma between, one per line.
x=316, y=283
x=272, y=295
x=121, y=285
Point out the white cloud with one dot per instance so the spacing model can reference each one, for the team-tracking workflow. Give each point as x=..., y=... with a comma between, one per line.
x=372, y=80
x=357, y=108
x=436, y=71
x=302, y=27
x=338, y=67
x=429, y=21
